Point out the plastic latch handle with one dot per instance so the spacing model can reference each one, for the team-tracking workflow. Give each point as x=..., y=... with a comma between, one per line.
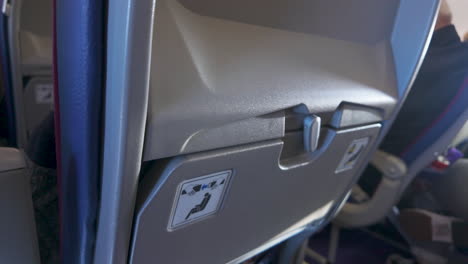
x=312, y=125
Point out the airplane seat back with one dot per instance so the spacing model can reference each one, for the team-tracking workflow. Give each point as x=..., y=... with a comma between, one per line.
x=237, y=124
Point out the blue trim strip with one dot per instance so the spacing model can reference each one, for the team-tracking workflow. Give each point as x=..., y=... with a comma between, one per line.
x=80, y=42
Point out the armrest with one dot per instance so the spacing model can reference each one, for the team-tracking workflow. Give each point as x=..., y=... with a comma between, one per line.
x=377, y=207
x=11, y=159
x=391, y=166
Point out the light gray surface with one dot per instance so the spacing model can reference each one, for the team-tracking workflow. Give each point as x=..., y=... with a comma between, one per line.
x=214, y=72
x=390, y=166
x=11, y=159
x=343, y=19
x=129, y=32
x=18, y=240
x=462, y=135
x=373, y=210
x=259, y=205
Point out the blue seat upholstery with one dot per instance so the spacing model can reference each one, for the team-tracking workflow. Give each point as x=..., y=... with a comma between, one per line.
x=79, y=44
x=436, y=100
x=437, y=128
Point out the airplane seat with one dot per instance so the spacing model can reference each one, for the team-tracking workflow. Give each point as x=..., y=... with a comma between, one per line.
x=425, y=128
x=231, y=126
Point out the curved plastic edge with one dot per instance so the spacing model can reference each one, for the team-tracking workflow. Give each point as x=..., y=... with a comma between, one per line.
x=129, y=38
x=410, y=39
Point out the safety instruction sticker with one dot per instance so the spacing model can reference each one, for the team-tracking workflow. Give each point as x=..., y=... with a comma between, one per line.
x=198, y=198
x=44, y=93
x=352, y=154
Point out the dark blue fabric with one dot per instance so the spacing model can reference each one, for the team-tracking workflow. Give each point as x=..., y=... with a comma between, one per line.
x=6, y=71
x=436, y=99
x=439, y=126
x=80, y=43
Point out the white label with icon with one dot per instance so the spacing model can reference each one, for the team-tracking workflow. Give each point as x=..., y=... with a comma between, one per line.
x=352, y=154
x=198, y=198
x=44, y=93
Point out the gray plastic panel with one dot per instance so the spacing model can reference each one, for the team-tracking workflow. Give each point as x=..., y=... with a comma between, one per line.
x=127, y=81
x=342, y=19
x=348, y=115
x=18, y=240
x=39, y=101
x=11, y=159
x=211, y=73
x=30, y=30
x=259, y=204
x=36, y=27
